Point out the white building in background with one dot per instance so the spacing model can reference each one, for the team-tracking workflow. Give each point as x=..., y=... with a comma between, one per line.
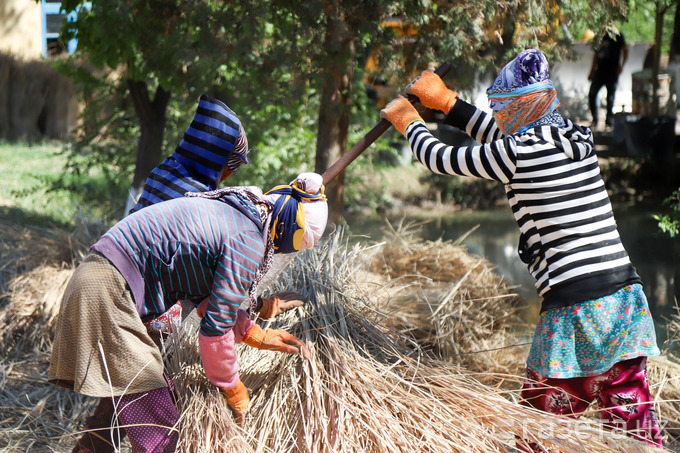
x=30, y=29
x=571, y=80
x=20, y=25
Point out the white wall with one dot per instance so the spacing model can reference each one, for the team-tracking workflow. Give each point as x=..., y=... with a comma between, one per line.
x=21, y=28
x=572, y=76
x=571, y=79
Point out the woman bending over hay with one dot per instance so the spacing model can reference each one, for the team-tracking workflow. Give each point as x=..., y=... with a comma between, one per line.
x=595, y=330
x=214, y=244
x=214, y=147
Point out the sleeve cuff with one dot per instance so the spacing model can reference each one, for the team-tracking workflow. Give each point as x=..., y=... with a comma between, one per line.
x=409, y=125
x=219, y=359
x=242, y=326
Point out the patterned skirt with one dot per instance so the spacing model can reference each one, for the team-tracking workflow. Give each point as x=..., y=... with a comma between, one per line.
x=588, y=338
x=101, y=347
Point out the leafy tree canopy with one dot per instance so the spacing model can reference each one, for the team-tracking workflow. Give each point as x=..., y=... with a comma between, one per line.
x=265, y=59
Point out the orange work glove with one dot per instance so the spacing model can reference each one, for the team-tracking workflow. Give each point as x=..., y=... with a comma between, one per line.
x=400, y=113
x=279, y=303
x=238, y=400
x=431, y=91
x=275, y=340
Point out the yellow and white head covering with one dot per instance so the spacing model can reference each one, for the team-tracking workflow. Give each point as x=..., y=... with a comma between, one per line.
x=300, y=213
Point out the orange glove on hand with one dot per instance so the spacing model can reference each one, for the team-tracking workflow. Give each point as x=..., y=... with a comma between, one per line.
x=275, y=340
x=238, y=400
x=431, y=91
x=400, y=113
x=279, y=303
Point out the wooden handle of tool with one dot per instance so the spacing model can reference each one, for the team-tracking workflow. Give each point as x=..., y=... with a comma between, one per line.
x=371, y=136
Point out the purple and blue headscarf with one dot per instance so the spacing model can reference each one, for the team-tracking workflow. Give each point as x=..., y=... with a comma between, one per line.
x=523, y=93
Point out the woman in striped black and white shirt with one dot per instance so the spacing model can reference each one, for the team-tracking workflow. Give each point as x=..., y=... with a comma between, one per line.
x=595, y=330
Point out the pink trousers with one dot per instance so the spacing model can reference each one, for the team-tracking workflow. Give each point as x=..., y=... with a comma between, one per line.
x=622, y=396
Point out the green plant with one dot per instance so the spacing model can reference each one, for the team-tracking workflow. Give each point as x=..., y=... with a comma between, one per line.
x=670, y=223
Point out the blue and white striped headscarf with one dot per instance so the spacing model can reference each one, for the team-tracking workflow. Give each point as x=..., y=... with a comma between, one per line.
x=215, y=139
x=211, y=139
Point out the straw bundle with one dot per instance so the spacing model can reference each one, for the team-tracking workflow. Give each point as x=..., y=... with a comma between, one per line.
x=35, y=100
x=36, y=264
x=6, y=63
x=457, y=305
x=28, y=91
x=61, y=106
x=367, y=387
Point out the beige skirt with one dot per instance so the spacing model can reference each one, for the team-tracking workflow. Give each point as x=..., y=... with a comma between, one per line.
x=101, y=348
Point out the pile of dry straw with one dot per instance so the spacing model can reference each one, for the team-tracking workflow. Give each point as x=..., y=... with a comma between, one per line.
x=413, y=348
x=36, y=101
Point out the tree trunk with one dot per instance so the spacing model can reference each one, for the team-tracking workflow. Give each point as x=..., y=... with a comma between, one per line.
x=336, y=97
x=152, y=120
x=508, y=35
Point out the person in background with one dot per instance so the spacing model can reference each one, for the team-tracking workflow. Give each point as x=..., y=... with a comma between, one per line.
x=215, y=244
x=595, y=330
x=608, y=60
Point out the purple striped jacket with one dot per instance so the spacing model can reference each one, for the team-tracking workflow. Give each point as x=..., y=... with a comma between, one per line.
x=189, y=248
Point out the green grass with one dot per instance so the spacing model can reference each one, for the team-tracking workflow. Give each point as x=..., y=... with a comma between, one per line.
x=37, y=190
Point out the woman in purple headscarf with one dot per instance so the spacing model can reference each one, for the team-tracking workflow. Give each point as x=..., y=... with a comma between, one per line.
x=595, y=331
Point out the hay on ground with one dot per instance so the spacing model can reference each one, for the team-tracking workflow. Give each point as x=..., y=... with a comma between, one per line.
x=369, y=386
x=455, y=303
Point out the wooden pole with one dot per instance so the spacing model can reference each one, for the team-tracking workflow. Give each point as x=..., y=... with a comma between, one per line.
x=371, y=136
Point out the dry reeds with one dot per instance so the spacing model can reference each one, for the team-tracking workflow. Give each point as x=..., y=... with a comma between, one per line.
x=457, y=305
x=35, y=265
x=368, y=386
x=371, y=385
x=664, y=379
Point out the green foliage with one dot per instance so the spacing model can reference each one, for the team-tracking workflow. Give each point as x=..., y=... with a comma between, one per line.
x=365, y=171
x=463, y=191
x=265, y=60
x=634, y=18
x=107, y=137
x=286, y=148
x=670, y=223
x=172, y=43
x=281, y=154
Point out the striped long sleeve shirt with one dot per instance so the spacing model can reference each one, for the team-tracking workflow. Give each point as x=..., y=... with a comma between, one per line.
x=568, y=235
x=189, y=248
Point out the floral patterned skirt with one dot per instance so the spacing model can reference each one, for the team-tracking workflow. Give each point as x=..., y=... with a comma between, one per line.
x=588, y=338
